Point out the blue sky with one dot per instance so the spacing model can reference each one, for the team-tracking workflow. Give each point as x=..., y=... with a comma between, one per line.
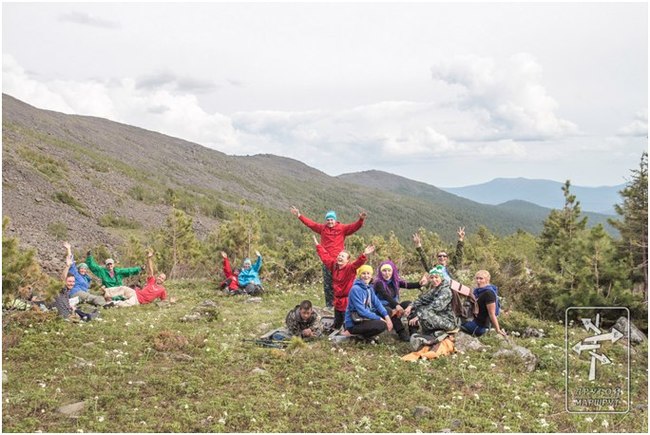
x=448, y=94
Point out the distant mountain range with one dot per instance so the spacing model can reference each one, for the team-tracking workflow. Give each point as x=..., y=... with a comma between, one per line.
x=545, y=193
x=97, y=182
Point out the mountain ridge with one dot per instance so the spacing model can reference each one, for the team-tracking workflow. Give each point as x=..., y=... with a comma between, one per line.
x=546, y=193
x=65, y=176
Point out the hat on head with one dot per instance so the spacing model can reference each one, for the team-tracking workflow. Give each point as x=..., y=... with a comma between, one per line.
x=364, y=268
x=247, y=260
x=330, y=215
x=109, y=261
x=82, y=266
x=386, y=266
x=438, y=270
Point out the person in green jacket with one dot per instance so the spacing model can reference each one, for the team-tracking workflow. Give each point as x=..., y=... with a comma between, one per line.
x=110, y=275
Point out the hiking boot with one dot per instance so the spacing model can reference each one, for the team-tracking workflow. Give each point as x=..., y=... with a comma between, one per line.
x=110, y=304
x=418, y=342
x=404, y=335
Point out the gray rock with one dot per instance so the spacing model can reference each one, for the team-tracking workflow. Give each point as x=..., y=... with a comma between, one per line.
x=255, y=300
x=258, y=371
x=445, y=430
x=194, y=317
x=208, y=303
x=510, y=349
x=421, y=411
x=73, y=409
x=636, y=336
x=4, y=377
x=465, y=342
x=533, y=332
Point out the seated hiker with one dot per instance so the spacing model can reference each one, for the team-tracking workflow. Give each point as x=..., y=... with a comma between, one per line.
x=365, y=315
x=82, y=281
x=432, y=311
x=249, y=276
x=150, y=292
x=487, y=307
x=303, y=321
x=387, y=284
x=110, y=275
x=343, y=274
x=442, y=257
x=65, y=308
x=230, y=283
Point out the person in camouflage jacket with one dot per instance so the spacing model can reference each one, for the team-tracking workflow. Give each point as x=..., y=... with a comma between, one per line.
x=303, y=321
x=432, y=311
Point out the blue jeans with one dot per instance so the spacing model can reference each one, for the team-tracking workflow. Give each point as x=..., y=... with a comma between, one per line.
x=473, y=328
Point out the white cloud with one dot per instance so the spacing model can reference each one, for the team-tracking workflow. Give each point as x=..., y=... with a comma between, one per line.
x=17, y=83
x=638, y=127
x=88, y=20
x=509, y=97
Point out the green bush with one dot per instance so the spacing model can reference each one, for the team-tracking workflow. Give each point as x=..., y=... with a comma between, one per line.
x=113, y=221
x=66, y=198
x=58, y=229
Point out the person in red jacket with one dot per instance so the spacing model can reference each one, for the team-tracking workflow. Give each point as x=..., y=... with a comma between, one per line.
x=230, y=282
x=332, y=238
x=343, y=276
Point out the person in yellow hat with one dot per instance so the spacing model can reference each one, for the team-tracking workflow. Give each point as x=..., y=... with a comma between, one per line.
x=365, y=315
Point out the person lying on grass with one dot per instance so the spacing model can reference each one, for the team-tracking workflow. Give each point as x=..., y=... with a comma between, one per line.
x=150, y=292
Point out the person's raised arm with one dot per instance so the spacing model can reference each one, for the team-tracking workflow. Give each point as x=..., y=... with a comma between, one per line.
x=355, y=226
x=150, y=263
x=418, y=247
x=460, y=245
x=68, y=263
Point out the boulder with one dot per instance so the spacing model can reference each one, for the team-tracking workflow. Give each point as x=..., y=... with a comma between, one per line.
x=510, y=349
x=636, y=336
x=465, y=342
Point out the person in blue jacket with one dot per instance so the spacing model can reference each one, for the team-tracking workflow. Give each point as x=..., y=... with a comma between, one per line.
x=365, y=315
x=249, y=276
x=82, y=281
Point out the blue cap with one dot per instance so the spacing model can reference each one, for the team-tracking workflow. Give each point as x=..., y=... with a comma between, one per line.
x=330, y=215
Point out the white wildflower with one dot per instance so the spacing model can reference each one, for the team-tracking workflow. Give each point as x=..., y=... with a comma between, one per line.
x=605, y=424
x=589, y=420
x=471, y=367
x=399, y=418
x=517, y=398
x=100, y=418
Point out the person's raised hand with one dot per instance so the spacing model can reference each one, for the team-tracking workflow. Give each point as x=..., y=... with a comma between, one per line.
x=295, y=211
x=416, y=240
x=461, y=233
x=224, y=255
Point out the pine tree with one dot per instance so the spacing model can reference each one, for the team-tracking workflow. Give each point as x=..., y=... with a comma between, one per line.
x=178, y=248
x=634, y=225
x=19, y=266
x=559, y=236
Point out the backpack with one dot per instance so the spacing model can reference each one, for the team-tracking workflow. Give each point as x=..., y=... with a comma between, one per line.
x=462, y=300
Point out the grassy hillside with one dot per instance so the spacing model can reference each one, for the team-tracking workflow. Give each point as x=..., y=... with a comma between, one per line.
x=142, y=369
x=95, y=182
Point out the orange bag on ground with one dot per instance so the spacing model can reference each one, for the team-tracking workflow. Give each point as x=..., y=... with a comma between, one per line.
x=445, y=347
